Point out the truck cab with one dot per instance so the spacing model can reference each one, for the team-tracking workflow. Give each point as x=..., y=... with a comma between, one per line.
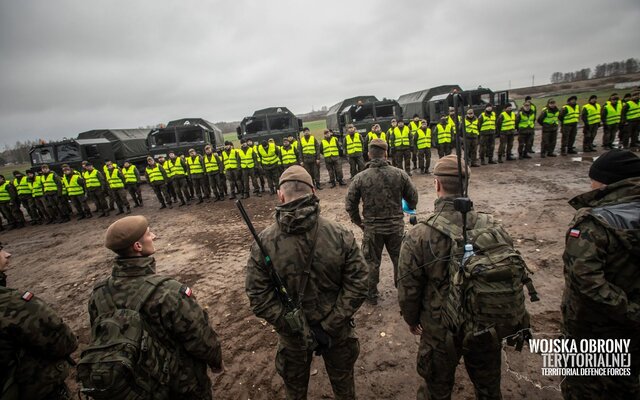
x=274, y=123
x=72, y=152
x=476, y=99
x=181, y=135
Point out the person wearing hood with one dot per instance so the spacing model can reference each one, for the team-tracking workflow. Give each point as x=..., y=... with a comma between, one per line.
x=548, y=118
x=601, y=298
x=323, y=270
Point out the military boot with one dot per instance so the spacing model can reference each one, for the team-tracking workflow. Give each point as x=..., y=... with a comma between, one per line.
x=492, y=161
x=500, y=160
x=483, y=161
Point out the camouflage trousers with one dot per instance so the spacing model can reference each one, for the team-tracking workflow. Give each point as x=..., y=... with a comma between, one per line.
x=250, y=174
x=403, y=159
x=334, y=168
x=234, y=176
x=487, y=145
x=191, y=381
x=198, y=182
x=26, y=201
x=633, y=132
x=54, y=205
x=549, y=140
x=294, y=365
x=181, y=187
x=214, y=188
x=609, y=134
x=424, y=159
x=135, y=193
x=6, y=209
x=40, y=379
x=356, y=164
x=372, y=245
x=444, y=149
x=162, y=193
x=569, y=132
x=313, y=169
x=438, y=359
x=41, y=207
x=81, y=205
x=525, y=141
x=590, y=132
x=505, y=147
x=120, y=197
x=471, y=147
x=97, y=196
x=272, y=173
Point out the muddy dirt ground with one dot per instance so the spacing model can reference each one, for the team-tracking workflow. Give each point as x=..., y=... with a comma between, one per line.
x=206, y=247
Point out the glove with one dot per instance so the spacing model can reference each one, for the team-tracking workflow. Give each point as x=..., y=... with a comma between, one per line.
x=322, y=339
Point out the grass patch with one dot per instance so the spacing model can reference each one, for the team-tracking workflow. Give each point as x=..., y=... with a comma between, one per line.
x=7, y=170
x=583, y=98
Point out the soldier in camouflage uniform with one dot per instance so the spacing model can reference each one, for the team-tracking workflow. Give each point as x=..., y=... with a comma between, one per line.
x=35, y=345
x=172, y=312
x=602, y=280
x=381, y=188
x=423, y=279
x=335, y=288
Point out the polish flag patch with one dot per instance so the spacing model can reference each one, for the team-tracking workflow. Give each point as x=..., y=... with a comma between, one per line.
x=186, y=290
x=27, y=296
x=574, y=233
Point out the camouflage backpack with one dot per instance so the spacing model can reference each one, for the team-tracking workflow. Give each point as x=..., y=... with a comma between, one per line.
x=123, y=360
x=486, y=293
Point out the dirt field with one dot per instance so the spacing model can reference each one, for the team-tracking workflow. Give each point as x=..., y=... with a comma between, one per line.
x=206, y=247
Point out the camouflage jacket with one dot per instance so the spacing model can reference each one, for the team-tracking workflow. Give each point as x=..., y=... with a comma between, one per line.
x=381, y=188
x=35, y=344
x=602, y=277
x=337, y=283
x=423, y=270
x=172, y=312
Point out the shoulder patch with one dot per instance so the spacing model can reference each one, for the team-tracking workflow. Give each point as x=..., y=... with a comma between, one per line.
x=186, y=290
x=574, y=233
x=27, y=296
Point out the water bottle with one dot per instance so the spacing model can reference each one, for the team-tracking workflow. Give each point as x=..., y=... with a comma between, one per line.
x=468, y=252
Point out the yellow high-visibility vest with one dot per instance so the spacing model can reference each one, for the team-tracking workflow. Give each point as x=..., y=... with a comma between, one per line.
x=229, y=159
x=22, y=186
x=268, y=156
x=177, y=169
x=211, y=163
x=401, y=137
x=195, y=165
x=308, y=146
x=72, y=185
x=488, y=122
x=288, y=156
x=527, y=121
x=330, y=147
x=613, y=114
x=423, y=138
x=91, y=178
x=551, y=118
x=593, y=113
x=115, y=182
x=154, y=173
x=354, y=144
x=633, y=110
x=130, y=174
x=508, y=121
x=444, y=133
x=4, y=192
x=572, y=114
x=246, y=158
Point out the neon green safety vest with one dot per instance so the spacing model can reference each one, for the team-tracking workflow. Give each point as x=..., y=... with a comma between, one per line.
x=288, y=156
x=37, y=187
x=613, y=114
x=372, y=135
x=230, y=161
x=308, y=146
x=22, y=187
x=488, y=122
x=471, y=127
x=551, y=118
x=453, y=124
x=195, y=165
x=508, y=121
x=633, y=110
x=423, y=138
x=527, y=121
x=330, y=147
x=177, y=169
x=444, y=133
x=154, y=173
x=72, y=185
x=572, y=114
x=167, y=168
x=50, y=184
x=401, y=137
x=115, y=182
x=211, y=163
x=246, y=158
x=130, y=174
x=593, y=113
x=415, y=125
x=91, y=178
x=268, y=156
x=354, y=144
x=4, y=193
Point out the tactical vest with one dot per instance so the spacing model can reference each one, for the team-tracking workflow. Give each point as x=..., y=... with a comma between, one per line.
x=91, y=179
x=401, y=137
x=195, y=165
x=22, y=186
x=593, y=113
x=177, y=169
x=508, y=121
x=246, y=158
x=308, y=146
x=354, y=144
x=572, y=113
x=633, y=110
x=288, y=156
x=330, y=147
x=527, y=121
x=72, y=185
x=423, y=138
x=550, y=118
x=471, y=127
x=444, y=133
x=269, y=156
x=229, y=159
x=613, y=114
x=488, y=122
x=114, y=179
x=50, y=184
x=130, y=174
x=4, y=193
x=211, y=163
x=37, y=189
x=154, y=173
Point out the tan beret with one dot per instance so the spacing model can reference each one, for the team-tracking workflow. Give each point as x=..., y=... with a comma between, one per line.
x=378, y=143
x=125, y=232
x=448, y=166
x=296, y=173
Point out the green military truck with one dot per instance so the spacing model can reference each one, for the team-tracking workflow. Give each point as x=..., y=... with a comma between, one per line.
x=269, y=123
x=95, y=146
x=183, y=134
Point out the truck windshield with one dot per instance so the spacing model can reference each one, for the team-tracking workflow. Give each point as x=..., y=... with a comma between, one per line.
x=384, y=111
x=163, y=138
x=361, y=111
x=279, y=123
x=191, y=136
x=42, y=155
x=68, y=152
x=256, y=124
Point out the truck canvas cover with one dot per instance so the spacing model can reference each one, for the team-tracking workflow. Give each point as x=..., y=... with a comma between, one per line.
x=127, y=143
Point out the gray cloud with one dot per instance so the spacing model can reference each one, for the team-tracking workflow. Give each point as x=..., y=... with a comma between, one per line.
x=69, y=66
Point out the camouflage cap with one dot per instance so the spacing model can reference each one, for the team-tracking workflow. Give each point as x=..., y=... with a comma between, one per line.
x=448, y=166
x=125, y=232
x=296, y=173
x=378, y=143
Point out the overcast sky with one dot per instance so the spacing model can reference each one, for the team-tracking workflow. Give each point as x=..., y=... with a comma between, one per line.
x=71, y=66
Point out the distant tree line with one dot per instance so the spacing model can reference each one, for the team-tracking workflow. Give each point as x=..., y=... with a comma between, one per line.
x=630, y=66
x=18, y=153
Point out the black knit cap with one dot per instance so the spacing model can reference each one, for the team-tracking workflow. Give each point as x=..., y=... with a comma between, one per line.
x=614, y=166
